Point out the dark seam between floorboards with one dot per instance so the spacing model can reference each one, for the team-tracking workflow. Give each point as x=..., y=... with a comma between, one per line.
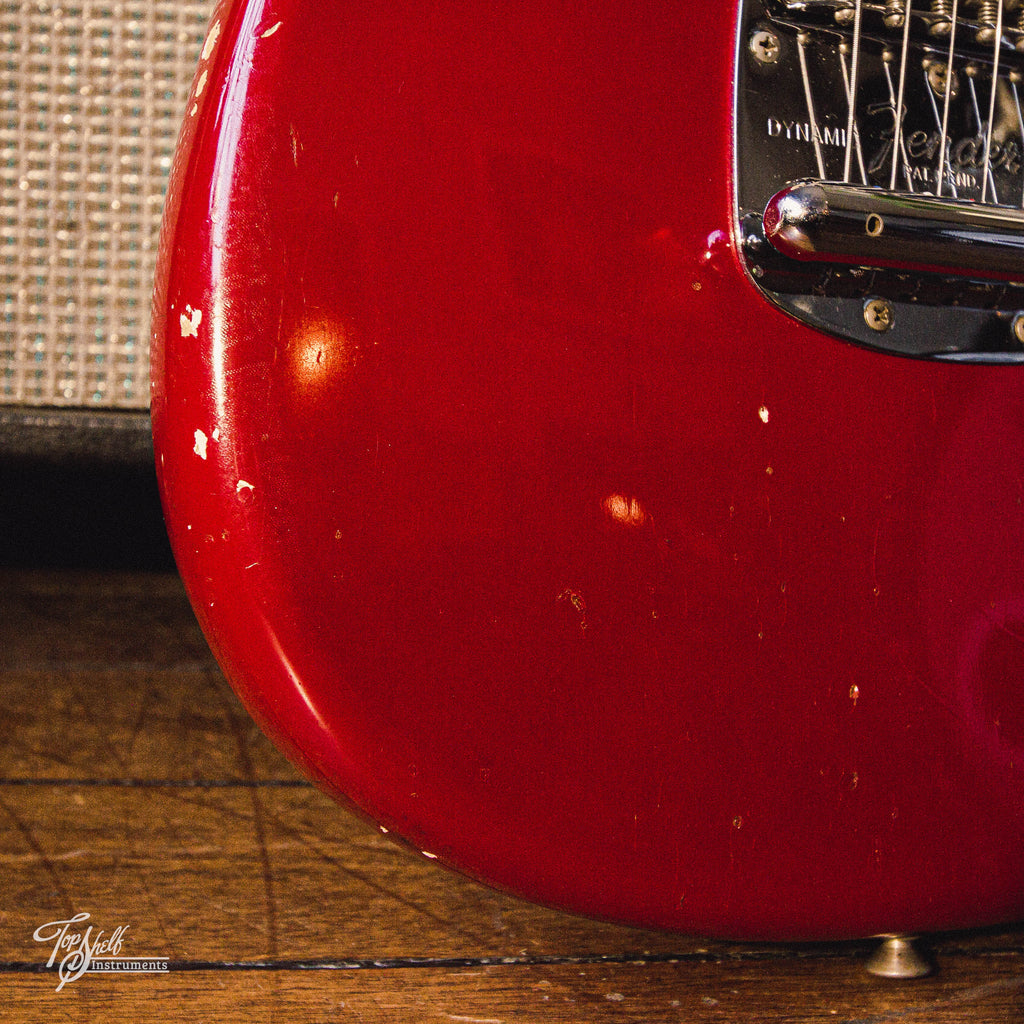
x=411, y=962
x=166, y=783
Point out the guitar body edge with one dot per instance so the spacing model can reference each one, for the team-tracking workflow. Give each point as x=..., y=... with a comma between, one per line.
x=526, y=526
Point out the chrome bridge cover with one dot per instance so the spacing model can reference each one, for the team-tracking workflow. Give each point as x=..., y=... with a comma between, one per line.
x=819, y=84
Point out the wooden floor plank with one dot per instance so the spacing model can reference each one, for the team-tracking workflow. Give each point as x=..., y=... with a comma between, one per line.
x=140, y=724
x=106, y=677
x=809, y=992
x=71, y=620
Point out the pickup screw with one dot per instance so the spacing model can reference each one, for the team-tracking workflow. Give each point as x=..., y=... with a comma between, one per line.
x=942, y=18
x=988, y=14
x=846, y=14
x=764, y=45
x=893, y=14
x=1018, y=327
x=878, y=315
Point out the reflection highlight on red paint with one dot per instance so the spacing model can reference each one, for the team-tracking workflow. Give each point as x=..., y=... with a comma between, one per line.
x=625, y=510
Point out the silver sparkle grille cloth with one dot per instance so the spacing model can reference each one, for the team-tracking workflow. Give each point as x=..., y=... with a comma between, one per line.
x=92, y=95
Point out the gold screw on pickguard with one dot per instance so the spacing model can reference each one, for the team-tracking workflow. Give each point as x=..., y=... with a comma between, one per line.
x=764, y=45
x=878, y=315
x=1018, y=327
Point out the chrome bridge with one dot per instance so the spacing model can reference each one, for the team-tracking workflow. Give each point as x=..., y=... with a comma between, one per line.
x=880, y=170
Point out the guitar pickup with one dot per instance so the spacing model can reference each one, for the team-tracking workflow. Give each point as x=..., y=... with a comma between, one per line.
x=976, y=20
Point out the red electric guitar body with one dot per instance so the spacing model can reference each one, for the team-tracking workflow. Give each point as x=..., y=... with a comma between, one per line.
x=526, y=515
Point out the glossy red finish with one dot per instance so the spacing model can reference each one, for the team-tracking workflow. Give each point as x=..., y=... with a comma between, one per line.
x=524, y=524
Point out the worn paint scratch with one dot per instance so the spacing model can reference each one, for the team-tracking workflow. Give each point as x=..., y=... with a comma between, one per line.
x=190, y=321
x=201, y=441
x=270, y=31
x=575, y=598
x=211, y=40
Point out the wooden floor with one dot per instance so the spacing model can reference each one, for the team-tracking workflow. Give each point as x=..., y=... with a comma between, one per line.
x=134, y=789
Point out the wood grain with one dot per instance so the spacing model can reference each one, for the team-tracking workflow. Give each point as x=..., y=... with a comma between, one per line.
x=134, y=788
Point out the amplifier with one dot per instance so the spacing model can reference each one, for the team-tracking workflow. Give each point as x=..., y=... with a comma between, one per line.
x=92, y=93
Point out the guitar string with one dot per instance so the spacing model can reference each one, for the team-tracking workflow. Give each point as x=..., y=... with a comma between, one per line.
x=800, y=44
x=851, y=122
x=898, y=145
x=986, y=172
x=856, y=132
x=944, y=132
x=997, y=47
x=1020, y=123
x=938, y=126
x=851, y=83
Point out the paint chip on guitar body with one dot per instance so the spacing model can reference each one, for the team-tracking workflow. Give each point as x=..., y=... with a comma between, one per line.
x=211, y=40
x=189, y=322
